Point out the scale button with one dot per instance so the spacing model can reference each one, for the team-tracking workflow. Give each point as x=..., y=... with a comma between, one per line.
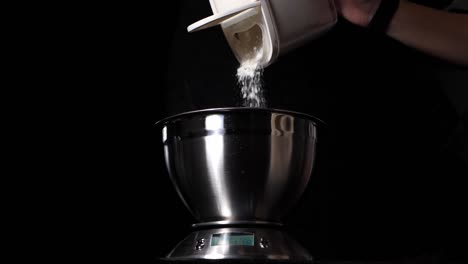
x=264, y=243
x=200, y=244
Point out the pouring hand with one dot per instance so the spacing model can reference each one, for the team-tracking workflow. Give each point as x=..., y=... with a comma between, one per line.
x=439, y=33
x=358, y=12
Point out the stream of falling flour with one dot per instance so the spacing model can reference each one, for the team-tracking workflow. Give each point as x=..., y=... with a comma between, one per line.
x=249, y=76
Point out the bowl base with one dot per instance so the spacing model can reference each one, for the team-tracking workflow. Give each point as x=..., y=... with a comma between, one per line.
x=236, y=223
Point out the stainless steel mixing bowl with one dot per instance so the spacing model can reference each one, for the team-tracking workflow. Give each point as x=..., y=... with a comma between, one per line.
x=239, y=165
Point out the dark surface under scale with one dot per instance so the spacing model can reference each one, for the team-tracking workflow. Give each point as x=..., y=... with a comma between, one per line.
x=405, y=261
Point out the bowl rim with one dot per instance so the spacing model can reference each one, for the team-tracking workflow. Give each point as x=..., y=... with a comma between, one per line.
x=239, y=109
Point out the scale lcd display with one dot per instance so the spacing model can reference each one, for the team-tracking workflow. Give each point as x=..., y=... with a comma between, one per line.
x=233, y=239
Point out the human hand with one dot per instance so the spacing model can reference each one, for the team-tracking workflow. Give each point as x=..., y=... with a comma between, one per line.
x=358, y=12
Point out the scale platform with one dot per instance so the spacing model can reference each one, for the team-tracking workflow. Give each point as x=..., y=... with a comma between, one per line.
x=239, y=243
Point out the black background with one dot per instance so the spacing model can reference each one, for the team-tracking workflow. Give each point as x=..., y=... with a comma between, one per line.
x=387, y=183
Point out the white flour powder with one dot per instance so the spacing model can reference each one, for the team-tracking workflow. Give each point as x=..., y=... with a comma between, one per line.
x=249, y=76
x=245, y=35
